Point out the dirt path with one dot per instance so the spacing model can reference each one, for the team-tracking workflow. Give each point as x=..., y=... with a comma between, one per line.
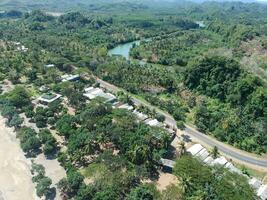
x=166, y=179
x=15, y=176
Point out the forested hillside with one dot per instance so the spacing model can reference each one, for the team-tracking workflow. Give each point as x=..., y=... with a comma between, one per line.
x=225, y=61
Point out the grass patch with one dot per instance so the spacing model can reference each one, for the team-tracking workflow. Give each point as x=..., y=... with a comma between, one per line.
x=93, y=170
x=253, y=172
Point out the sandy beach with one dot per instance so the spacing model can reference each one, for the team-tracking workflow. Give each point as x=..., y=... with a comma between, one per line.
x=15, y=176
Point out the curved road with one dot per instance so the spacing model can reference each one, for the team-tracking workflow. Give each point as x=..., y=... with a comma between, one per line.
x=236, y=154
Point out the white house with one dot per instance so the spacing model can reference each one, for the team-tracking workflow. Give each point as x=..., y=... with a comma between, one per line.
x=92, y=93
x=203, y=154
x=126, y=106
x=22, y=48
x=69, y=77
x=232, y=168
x=167, y=163
x=195, y=149
x=153, y=122
x=255, y=183
x=140, y=116
x=262, y=192
x=48, y=98
x=199, y=151
x=49, y=65
x=89, y=89
x=208, y=160
x=220, y=161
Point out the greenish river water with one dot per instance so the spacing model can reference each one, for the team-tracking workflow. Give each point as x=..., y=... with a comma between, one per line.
x=123, y=49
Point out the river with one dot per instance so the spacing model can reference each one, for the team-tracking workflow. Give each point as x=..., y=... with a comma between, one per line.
x=123, y=49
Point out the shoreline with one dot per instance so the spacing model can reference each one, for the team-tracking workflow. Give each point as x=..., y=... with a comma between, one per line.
x=15, y=176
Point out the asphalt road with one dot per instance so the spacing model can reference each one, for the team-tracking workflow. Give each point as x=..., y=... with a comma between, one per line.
x=229, y=151
x=236, y=154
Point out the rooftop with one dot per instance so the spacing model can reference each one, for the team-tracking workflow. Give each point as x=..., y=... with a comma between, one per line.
x=49, y=97
x=140, y=115
x=126, y=106
x=232, y=168
x=255, y=183
x=167, y=162
x=220, y=161
x=49, y=65
x=208, y=160
x=43, y=88
x=70, y=77
x=22, y=48
x=153, y=122
x=195, y=149
x=203, y=154
x=89, y=89
x=262, y=192
x=92, y=93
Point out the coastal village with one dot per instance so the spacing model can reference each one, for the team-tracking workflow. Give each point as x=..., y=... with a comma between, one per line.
x=96, y=90
x=136, y=101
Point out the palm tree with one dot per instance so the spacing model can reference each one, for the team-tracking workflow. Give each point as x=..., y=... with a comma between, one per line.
x=186, y=183
x=139, y=154
x=215, y=152
x=182, y=149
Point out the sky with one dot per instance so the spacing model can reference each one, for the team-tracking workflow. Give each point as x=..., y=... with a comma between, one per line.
x=217, y=0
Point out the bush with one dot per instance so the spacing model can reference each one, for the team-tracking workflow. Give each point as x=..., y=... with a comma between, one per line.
x=180, y=125
x=160, y=117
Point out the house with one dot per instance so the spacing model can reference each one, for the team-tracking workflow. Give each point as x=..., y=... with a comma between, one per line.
x=140, y=115
x=49, y=98
x=167, y=164
x=22, y=48
x=89, y=89
x=219, y=161
x=49, y=66
x=203, y=154
x=208, y=160
x=153, y=122
x=255, y=183
x=109, y=97
x=126, y=106
x=92, y=93
x=69, y=77
x=44, y=88
x=115, y=104
x=232, y=168
x=171, y=131
x=262, y=192
x=195, y=149
x=199, y=151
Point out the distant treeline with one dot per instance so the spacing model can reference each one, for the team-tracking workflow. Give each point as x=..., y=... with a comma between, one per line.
x=11, y=14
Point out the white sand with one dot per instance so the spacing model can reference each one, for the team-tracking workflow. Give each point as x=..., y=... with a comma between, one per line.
x=15, y=176
x=52, y=167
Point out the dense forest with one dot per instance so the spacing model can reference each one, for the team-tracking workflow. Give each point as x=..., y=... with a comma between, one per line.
x=211, y=75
